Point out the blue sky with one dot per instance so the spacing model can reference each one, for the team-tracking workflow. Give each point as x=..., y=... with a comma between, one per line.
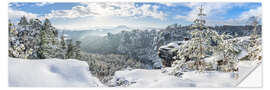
x=87, y=15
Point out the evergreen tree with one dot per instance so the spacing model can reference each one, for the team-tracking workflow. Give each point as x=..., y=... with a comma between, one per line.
x=17, y=42
x=78, y=51
x=48, y=44
x=35, y=40
x=23, y=21
x=44, y=50
x=254, y=49
x=205, y=43
x=197, y=48
x=70, y=49
x=63, y=47
x=34, y=37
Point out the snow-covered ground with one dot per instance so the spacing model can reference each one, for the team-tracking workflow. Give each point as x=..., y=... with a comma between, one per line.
x=74, y=73
x=155, y=78
x=50, y=73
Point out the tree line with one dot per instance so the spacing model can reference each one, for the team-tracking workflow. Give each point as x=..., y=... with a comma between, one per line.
x=34, y=39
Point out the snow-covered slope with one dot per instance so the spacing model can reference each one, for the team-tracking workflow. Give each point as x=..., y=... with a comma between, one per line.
x=50, y=73
x=155, y=78
x=74, y=73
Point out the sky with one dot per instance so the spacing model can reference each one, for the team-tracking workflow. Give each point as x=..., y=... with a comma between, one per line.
x=87, y=15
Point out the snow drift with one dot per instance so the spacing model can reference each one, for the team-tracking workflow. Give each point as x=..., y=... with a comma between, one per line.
x=50, y=73
x=155, y=78
x=74, y=73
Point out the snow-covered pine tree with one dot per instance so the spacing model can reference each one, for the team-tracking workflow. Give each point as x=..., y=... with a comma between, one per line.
x=203, y=44
x=48, y=37
x=23, y=21
x=71, y=49
x=63, y=47
x=35, y=26
x=13, y=43
x=197, y=48
x=254, y=49
x=226, y=51
x=35, y=40
x=18, y=39
x=78, y=54
x=44, y=50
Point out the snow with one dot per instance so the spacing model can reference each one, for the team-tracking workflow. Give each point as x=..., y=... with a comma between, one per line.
x=243, y=53
x=74, y=73
x=155, y=78
x=50, y=73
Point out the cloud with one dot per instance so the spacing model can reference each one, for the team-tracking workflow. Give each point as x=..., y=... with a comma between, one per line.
x=89, y=23
x=15, y=4
x=245, y=16
x=252, y=12
x=16, y=14
x=215, y=12
x=99, y=9
x=40, y=4
x=168, y=4
x=211, y=9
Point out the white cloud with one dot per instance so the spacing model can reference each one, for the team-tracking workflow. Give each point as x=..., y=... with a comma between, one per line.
x=169, y=4
x=215, y=11
x=89, y=23
x=244, y=17
x=89, y=15
x=17, y=4
x=109, y=9
x=211, y=9
x=16, y=14
x=40, y=4
x=252, y=12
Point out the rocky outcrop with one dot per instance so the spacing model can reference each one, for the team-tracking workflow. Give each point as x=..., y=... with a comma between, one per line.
x=168, y=52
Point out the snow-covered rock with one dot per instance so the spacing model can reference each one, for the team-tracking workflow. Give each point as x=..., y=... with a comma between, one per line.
x=167, y=52
x=50, y=73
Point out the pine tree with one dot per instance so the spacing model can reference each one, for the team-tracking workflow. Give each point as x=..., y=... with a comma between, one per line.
x=204, y=43
x=48, y=45
x=63, y=47
x=228, y=51
x=37, y=40
x=197, y=48
x=78, y=51
x=23, y=21
x=34, y=37
x=44, y=50
x=19, y=45
x=254, y=49
x=12, y=33
x=70, y=49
